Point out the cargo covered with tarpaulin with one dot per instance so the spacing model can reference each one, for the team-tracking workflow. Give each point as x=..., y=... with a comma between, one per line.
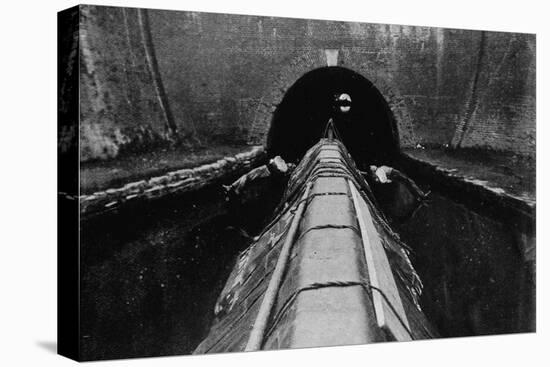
x=327, y=270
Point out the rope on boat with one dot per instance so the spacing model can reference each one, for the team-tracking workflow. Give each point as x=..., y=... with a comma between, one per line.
x=256, y=337
x=328, y=226
x=308, y=171
x=335, y=283
x=312, y=196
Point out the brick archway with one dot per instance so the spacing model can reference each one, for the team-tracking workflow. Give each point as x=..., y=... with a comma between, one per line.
x=297, y=67
x=368, y=130
x=307, y=62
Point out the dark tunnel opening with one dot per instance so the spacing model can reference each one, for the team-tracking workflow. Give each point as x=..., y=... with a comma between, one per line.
x=368, y=129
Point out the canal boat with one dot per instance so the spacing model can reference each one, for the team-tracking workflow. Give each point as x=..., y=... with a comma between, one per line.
x=327, y=270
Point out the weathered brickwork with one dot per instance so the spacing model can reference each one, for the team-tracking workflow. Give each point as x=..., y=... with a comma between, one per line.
x=504, y=116
x=119, y=106
x=225, y=74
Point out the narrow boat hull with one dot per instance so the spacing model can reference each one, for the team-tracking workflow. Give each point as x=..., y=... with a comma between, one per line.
x=327, y=270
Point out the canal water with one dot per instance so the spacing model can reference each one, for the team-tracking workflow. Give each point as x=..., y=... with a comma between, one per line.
x=151, y=273
x=476, y=279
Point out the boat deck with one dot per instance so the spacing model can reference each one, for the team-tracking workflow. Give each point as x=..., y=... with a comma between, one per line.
x=328, y=270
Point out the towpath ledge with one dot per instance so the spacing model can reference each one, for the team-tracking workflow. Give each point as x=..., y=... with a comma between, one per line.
x=175, y=182
x=487, y=192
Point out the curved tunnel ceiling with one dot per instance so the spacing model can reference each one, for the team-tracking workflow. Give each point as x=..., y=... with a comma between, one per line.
x=368, y=130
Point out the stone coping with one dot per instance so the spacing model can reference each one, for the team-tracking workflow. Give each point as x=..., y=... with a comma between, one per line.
x=175, y=182
x=484, y=195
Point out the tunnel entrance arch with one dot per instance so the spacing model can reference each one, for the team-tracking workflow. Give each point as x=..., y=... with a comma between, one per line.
x=368, y=130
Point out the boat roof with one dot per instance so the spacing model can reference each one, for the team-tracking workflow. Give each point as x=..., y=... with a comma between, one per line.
x=327, y=270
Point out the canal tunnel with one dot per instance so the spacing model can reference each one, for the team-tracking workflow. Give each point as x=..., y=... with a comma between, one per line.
x=368, y=129
x=154, y=265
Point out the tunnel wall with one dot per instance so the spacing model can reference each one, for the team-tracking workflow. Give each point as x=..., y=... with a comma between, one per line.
x=120, y=106
x=225, y=74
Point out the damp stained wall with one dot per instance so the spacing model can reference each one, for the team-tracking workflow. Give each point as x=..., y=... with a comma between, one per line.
x=223, y=76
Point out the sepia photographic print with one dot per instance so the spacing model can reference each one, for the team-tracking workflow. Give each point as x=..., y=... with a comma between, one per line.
x=231, y=183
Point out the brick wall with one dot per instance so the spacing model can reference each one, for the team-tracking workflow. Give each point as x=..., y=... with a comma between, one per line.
x=119, y=105
x=225, y=74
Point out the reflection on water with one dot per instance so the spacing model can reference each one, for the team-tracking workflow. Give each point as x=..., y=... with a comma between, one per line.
x=151, y=274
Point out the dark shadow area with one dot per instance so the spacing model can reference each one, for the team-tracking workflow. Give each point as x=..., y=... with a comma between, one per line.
x=368, y=130
x=476, y=281
x=151, y=273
